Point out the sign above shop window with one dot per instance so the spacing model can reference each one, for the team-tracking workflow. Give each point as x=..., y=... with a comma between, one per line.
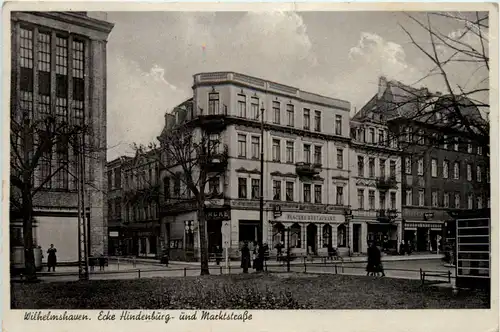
x=217, y=215
x=310, y=217
x=114, y=234
x=428, y=215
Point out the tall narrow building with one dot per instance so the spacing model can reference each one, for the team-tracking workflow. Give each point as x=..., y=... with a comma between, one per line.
x=58, y=71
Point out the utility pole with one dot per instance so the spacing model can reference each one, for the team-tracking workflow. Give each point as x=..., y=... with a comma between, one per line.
x=83, y=266
x=261, y=210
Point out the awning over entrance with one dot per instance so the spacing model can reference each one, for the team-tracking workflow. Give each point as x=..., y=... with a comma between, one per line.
x=382, y=224
x=409, y=225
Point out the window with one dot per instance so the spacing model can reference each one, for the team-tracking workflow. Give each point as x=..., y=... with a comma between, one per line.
x=255, y=188
x=289, y=151
x=307, y=153
x=317, y=193
x=214, y=185
x=242, y=188
x=371, y=167
x=371, y=135
x=470, y=202
x=276, y=112
x=340, y=158
x=420, y=168
x=478, y=173
x=479, y=150
x=381, y=139
x=177, y=187
x=289, y=191
x=393, y=200
x=469, y=148
x=307, y=119
x=407, y=136
x=421, y=137
x=277, y=190
x=434, y=166
x=392, y=169
x=242, y=145
x=213, y=143
x=317, y=154
x=469, y=172
x=307, y=193
x=166, y=187
x=382, y=168
x=446, y=200
x=213, y=103
x=340, y=195
x=479, y=202
x=327, y=236
x=341, y=236
x=338, y=125
x=290, y=114
x=371, y=199
x=445, y=142
x=44, y=66
x=242, y=106
x=254, y=106
x=446, y=166
x=421, y=197
x=295, y=235
x=317, y=120
x=409, y=197
x=361, y=199
x=408, y=165
x=255, y=147
x=110, y=180
x=455, y=144
x=456, y=171
x=435, y=199
x=457, y=201
x=361, y=166
x=381, y=198
x=276, y=150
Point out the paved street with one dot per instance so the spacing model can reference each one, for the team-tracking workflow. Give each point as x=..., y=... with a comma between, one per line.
x=179, y=269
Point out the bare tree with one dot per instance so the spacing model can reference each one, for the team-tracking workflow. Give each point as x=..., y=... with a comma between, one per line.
x=36, y=140
x=192, y=157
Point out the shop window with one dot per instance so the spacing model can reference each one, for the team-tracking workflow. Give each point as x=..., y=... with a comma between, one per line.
x=341, y=236
x=295, y=235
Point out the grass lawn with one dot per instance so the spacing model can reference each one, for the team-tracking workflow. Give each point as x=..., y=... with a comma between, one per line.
x=252, y=291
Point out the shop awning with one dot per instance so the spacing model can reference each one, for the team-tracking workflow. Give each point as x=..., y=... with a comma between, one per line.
x=418, y=224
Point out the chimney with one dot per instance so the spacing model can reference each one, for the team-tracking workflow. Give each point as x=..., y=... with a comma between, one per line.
x=382, y=86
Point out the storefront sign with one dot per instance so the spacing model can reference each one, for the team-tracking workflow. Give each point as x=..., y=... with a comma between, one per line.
x=428, y=215
x=114, y=234
x=309, y=217
x=217, y=215
x=414, y=225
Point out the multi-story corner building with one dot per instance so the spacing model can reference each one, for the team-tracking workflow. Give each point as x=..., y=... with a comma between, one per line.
x=443, y=168
x=306, y=141
x=375, y=185
x=58, y=62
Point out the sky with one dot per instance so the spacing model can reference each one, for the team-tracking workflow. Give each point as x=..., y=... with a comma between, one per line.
x=152, y=57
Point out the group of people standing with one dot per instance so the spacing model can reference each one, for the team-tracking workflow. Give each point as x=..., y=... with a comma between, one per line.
x=255, y=259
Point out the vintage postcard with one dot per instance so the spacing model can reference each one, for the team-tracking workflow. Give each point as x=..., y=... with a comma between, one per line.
x=257, y=167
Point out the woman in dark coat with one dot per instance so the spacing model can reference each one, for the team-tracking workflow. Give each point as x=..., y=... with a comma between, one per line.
x=373, y=259
x=51, y=258
x=245, y=257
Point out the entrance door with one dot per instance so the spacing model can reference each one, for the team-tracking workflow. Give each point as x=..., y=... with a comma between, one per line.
x=356, y=236
x=214, y=231
x=422, y=239
x=312, y=238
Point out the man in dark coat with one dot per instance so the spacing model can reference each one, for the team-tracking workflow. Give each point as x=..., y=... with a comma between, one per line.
x=245, y=257
x=373, y=259
x=52, y=258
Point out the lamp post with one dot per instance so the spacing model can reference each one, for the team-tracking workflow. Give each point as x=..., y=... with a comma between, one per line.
x=286, y=230
x=261, y=208
x=348, y=214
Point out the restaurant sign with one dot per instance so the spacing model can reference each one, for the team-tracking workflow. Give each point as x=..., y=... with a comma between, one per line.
x=311, y=217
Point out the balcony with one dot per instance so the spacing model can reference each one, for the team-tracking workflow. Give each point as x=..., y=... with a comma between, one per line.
x=307, y=169
x=386, y=183
x=213, y=121
x=387, y=215
x=216, y=161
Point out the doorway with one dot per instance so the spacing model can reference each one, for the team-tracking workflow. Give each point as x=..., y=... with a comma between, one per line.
x=422, y=239
x=356, y=236
x=312, y=238
x=214, y=232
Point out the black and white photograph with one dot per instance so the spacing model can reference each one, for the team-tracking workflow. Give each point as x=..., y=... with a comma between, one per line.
x=224, y=161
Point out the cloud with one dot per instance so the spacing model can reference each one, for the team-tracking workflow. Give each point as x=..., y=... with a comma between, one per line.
x=137, y=101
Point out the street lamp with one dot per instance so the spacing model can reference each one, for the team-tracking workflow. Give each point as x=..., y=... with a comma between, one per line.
x=261, y=208
x=348, y=214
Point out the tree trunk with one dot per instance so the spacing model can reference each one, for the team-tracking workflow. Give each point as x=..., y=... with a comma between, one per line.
x=29, y=255
x=202, y=226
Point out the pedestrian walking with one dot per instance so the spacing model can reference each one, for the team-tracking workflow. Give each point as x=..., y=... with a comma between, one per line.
x=245, y=257
x=52, y=258
x=279, y=250
x=374, y=265
x=102, y=262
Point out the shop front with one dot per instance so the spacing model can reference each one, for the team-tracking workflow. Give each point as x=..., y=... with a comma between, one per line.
x=141, y=240
x=424, y=236
x=307, y=233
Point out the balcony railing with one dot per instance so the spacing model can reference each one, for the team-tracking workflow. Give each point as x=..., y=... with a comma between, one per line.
x=307, y=169
x=386, y=183
x=216, y=160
